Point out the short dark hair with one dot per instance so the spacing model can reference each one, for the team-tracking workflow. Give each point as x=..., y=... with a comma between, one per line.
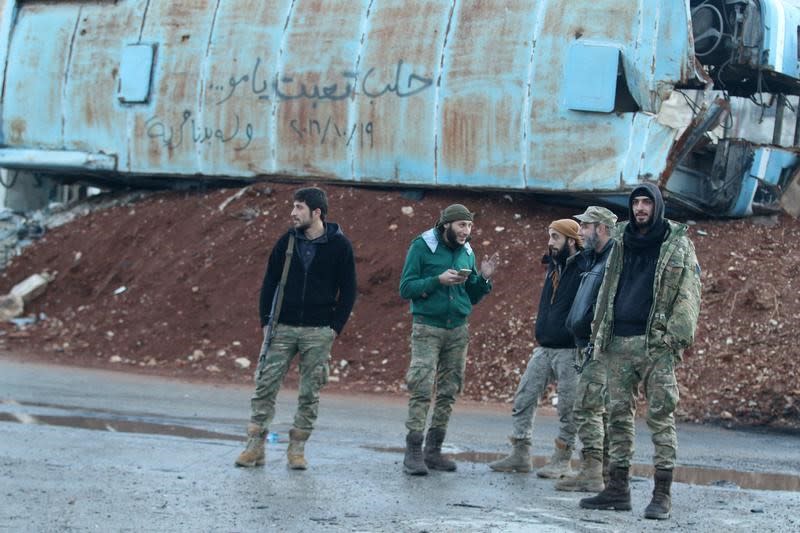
x=314, y=198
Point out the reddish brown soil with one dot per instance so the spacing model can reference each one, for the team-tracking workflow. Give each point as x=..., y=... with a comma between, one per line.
x=192, y=275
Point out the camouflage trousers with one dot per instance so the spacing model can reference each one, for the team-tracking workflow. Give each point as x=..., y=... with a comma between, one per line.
x=313, y=344
x=438, y=360
x=547, y=365
x=627, y=365
x=590, y=412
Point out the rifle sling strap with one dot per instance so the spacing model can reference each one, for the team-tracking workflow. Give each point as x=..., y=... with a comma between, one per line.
x=282, y=284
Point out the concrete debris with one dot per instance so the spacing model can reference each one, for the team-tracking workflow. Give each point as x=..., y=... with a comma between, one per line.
x=242, y=362
x=11, y=306
x=32, y=287
x=233, y=197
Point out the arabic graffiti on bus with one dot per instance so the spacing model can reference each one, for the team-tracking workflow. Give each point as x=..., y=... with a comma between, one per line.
x=322, y=131
x=173, y=137
x=284, y=88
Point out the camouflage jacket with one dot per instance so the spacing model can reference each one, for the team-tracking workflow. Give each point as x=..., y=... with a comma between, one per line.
x=676, y=295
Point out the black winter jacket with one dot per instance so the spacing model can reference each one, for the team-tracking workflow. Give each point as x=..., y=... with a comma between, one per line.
x=579, y=319
x=551, y=330
x=323, y=296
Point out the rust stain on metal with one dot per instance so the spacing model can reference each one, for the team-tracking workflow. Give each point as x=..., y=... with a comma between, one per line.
x=17, y=127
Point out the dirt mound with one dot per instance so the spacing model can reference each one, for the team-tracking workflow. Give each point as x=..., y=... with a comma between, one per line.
x=169, y=284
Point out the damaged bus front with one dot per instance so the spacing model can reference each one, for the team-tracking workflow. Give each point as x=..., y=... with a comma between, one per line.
x=583, y=98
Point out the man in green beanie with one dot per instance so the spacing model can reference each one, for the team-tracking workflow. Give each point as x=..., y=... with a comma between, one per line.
x=441, y=280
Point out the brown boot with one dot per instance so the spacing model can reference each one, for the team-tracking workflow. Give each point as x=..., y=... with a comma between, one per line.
x=589, y=478
x=661, y=504
x=558, y=465
x=433, y=451
x=616, y=496
x=413, y=462
x=519, y=460
x=297, y=444
x=253, y=454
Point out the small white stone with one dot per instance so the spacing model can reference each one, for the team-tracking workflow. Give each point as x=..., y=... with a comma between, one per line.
x=242, y=362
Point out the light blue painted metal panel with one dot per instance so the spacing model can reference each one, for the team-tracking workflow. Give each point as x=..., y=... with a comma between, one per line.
x=401, y=53
x=483, y=89
x=781, y=22
x=319, y=53
x=237, y=95
x=590, y=79
x=768, y=166
x=135, y=70
x=32, y=99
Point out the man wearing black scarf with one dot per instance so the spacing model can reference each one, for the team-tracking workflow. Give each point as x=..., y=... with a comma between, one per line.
x=646, y=315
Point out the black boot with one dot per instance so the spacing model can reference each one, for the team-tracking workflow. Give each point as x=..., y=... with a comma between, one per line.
x=433, y=451
x=616, y=496
x=661, y=504
x=413, y=464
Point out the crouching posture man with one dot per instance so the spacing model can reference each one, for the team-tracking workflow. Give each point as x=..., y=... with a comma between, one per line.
x=647, y=312
x=319, y=289
x=440, y=279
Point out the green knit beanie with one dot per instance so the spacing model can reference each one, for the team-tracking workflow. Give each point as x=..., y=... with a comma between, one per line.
x=454, y=212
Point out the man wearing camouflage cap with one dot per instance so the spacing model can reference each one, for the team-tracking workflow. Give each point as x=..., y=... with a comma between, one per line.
x=552, y=360
x=440, y=279
x=647, y=312
x=589, y=413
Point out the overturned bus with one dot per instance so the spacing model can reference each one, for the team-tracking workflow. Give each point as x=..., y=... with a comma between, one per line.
x=583, y=98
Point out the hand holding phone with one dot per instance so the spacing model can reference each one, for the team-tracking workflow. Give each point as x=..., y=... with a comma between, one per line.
x=464, y=272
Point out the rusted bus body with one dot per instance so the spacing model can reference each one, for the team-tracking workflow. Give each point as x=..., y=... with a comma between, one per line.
x=541, y=96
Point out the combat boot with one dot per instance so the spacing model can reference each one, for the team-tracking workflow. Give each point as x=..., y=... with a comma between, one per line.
x=518, y=461
x=589, y=478
x=558, y=465
x=413, y=464
x=253, y=454
x=661, y=504
x=433, y=451
x=616, y=496
x=297, y=444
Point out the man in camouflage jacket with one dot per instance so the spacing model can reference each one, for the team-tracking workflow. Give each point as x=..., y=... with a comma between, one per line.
x=647, y=312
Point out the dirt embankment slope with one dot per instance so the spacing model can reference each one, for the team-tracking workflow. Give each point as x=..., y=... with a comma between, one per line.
x=191, y=274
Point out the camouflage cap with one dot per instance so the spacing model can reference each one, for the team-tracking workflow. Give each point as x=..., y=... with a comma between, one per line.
x=598, y=215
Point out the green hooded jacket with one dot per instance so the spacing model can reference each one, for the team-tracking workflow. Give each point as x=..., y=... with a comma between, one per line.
x=431, y=302
x=673, y=317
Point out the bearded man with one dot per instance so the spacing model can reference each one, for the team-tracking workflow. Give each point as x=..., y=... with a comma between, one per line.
x=552, y=360
x=442, y=282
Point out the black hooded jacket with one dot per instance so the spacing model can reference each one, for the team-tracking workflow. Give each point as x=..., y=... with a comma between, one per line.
x=551, y=330
x=634, y=297
x=324, y=294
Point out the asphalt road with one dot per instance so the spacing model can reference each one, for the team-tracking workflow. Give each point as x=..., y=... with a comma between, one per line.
x=86, y=450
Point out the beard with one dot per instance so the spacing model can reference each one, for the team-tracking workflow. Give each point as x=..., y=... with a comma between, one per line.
x=646, y=224
x=302, y=226
x=590, y=241
x=451, y=237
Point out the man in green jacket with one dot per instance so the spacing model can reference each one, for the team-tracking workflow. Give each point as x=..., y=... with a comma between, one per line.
x=440, y=279
x=646, y=315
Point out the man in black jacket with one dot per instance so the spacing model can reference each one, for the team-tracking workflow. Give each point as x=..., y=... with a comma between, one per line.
x=317, y=299
x=589, y=413
x=552, y=360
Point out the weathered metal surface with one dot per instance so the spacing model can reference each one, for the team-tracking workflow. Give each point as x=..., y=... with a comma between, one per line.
x=425, y=92
x=429, y=92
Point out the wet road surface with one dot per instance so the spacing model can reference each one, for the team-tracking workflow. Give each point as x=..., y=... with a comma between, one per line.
x=85, y=450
